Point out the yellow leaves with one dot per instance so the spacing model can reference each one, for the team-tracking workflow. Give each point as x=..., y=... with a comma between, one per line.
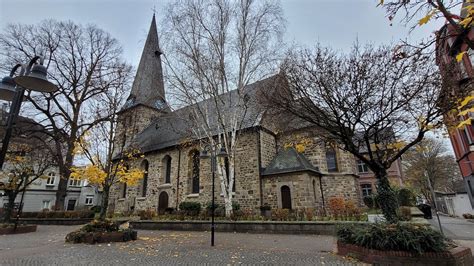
x=397, y=145
x=459, y=56
x=465, y=101
x=299, y=144
x=466, y=23
x=467, y=111
x=299, y=147
x=92, y=173
x=427, y=18
x=464, y=123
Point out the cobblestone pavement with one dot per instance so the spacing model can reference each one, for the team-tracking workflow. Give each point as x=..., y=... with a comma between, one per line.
x=47, y=247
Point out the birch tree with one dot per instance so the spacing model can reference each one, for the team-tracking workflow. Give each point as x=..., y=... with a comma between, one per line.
x=84, y=62
x=215, y=49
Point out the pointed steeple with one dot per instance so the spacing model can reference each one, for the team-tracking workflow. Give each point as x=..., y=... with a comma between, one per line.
x=148, y=87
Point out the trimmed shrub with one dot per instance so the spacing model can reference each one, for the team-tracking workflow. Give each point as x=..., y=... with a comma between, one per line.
x=405, y=197
x=404, y=212
x=147, y=214
x=369, y=201
x=190, y=207
x=395, y=237
x=59, y=214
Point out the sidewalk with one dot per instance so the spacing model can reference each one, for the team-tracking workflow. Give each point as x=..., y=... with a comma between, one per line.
x=47, y=247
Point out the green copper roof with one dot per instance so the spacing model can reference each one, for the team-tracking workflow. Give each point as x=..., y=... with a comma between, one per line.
x=288, y=161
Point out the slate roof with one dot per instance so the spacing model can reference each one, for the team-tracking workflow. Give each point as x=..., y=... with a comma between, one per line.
x=177, y=127
x=289, y=161
x=148, y=87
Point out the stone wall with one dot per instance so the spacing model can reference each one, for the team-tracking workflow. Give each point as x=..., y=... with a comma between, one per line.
x=304, y=189
x=341, y=185
x=315, y=150
x=247, y=181
x=267, y=147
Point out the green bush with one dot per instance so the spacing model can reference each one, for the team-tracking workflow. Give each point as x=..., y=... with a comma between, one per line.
x=190, y=207
x=96, y=209
x=395, y=237
x=100, y=226
x=405, y=197
x=369, y=201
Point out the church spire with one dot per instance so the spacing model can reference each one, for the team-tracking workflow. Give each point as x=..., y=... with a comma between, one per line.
x=148, y=87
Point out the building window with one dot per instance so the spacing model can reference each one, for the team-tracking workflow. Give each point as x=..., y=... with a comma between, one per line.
x=144, y=182
x=195, y=161
x=366, y=190
x=46, y=204
x=89, y=200
x=285, y=197
x=362, y=167
x=166, y=164
x=331, y=159
x=75, y=182
x=51, y=179
x=124, y=190
x=467, y=135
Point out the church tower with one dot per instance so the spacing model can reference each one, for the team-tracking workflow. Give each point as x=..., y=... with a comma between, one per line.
x=147, y=99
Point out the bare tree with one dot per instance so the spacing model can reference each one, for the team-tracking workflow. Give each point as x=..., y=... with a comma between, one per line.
x=417, y=13
x=429, y=159
x=371, y=102
x=84, y=62
x=216, y=48
x=26, y=162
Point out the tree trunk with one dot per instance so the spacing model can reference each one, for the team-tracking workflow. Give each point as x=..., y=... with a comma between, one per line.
x=9, y=207
x=105, y=203
x=386, y=197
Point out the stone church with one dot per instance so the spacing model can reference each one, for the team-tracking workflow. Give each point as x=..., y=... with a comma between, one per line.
x=266, y=171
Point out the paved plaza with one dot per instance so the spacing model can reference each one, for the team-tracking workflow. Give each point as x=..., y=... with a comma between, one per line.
x=47, y=247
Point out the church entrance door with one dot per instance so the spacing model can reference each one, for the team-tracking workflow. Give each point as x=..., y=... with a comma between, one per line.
x=285, y=197
x=162, y=202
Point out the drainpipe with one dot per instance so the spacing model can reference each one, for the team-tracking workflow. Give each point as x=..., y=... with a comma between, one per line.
x=177, y=178
x=259, y=159
x=322, y=194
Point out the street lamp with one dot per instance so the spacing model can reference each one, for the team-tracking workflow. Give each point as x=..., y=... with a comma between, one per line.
x=32, y=77
x=205, y=155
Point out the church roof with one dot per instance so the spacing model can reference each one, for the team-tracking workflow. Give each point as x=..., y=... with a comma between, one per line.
x=176, y=127
x=289, y=161
x=148, y=87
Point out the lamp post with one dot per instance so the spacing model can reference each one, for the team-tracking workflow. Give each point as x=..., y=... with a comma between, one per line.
x=205, y=155
x=32, y=77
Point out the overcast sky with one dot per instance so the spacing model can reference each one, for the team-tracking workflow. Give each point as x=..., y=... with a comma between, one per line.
x=337, y=23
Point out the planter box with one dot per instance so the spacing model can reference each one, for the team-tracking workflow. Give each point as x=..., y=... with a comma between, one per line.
x=21, y=229
x=102, y=237
x=460, y=256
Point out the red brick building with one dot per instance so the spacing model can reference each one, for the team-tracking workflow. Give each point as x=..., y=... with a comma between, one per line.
x=457, y=84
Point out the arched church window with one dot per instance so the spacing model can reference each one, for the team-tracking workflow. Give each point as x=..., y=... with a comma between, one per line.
x=331, y=159
x=166, y=166
x=285, y=197
x=144, y=182
x=195, y=161
x=124, y=185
